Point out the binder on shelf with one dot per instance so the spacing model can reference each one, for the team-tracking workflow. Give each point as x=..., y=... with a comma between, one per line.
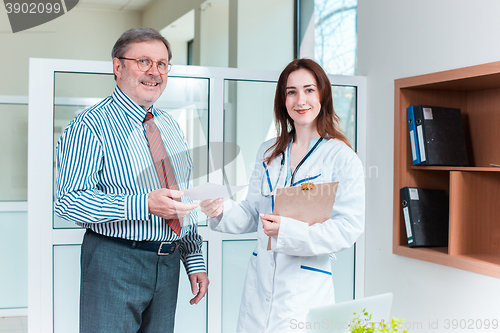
x=415, y=152
x=425, y=214
x=441, y=137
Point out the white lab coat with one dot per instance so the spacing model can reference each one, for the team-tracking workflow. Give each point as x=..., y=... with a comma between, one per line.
x=283, y=284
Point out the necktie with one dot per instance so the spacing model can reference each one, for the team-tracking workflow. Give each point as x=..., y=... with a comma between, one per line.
x=162, y=163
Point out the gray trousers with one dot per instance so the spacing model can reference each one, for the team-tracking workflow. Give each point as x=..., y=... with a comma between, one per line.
x=126, y=290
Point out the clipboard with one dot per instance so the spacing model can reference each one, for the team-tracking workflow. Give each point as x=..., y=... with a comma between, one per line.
x=308, y=205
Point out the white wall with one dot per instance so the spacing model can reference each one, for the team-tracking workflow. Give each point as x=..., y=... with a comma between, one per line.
x=265, y=41
x=161, y=13
x=79, y=34
x=179, y=52
x=214, y=34
x=264, y=28
x=400, y=38
x=265, y=34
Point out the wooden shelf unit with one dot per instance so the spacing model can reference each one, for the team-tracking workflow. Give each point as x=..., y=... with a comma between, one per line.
x=473, y=192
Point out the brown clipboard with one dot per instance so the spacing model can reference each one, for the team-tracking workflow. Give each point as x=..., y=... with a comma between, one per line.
x=307, y=205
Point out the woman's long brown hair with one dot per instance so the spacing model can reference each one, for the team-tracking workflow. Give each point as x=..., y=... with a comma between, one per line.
x=327, y=122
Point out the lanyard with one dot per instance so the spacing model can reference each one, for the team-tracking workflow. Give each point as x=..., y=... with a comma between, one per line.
x=303, y=160
x=266, y=173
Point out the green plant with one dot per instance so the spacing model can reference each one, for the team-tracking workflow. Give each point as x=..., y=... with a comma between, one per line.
x=365, y=325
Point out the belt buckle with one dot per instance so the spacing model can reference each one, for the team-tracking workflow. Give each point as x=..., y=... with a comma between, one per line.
x=166, y=243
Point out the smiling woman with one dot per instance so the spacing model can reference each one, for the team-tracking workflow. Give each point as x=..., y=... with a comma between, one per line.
x=302, y=99
x=327, y=122
x=309, y=142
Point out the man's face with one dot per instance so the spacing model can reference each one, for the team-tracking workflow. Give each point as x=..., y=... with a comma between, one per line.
x=144, y=88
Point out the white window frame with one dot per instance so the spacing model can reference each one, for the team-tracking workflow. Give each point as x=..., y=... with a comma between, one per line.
x=41, y=235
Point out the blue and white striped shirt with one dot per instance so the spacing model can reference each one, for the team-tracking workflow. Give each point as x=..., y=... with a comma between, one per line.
x=105, y=172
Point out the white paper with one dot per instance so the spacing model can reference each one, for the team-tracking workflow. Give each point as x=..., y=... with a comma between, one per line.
x=407, y=223
x=212, y=191
x=428, y=114
x=413, y=148
x=420, y=135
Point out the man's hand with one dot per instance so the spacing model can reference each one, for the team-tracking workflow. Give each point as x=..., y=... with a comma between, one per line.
x=212, y=208
x=199, y=285
x=161, y=203
x=271, y=224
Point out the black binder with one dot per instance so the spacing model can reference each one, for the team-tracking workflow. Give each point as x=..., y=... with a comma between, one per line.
x=441, y=138
x=426, y=216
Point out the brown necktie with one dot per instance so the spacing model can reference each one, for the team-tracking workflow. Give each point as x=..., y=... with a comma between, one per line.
x=162, y=163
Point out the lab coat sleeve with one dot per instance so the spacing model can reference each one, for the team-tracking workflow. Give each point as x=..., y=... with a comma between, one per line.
x=343, y=228
x=243, y=217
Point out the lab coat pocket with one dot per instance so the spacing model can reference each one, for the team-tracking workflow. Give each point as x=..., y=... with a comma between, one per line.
x=313, y=269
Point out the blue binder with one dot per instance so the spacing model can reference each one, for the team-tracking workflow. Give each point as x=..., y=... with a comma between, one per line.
x=415, y=151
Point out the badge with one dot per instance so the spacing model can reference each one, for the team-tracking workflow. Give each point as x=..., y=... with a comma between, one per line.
x=307, y=186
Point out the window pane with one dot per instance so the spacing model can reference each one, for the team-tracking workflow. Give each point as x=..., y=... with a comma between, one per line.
x=328, y=34
x=190, y=318
x=63, y=114
x=186, y=100
x=66, y=288
x=13, y=260
x=13, y=152
x=343, y=275
x=248, y=122
x=344, y=104
x=235, y=258
x=74, y=92
x=83, y=85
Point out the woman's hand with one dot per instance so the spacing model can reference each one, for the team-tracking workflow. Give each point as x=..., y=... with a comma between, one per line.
x=211, y=207
x=271, y=224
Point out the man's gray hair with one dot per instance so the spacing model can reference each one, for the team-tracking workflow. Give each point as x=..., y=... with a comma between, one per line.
x=138, y=35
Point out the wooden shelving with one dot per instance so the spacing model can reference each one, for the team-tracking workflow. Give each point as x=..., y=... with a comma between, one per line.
x=474, y=192
x=446, y=168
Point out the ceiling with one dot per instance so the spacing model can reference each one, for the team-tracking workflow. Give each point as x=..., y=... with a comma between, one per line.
x=115, y=4
x=182, y=29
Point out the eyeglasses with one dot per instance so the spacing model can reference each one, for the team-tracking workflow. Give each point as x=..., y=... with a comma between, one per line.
x=145, y=64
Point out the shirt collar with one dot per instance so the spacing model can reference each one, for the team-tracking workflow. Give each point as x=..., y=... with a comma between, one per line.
x=131, y=108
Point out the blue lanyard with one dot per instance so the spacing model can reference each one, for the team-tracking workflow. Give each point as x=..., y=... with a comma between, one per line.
x=269, y=180
x=292, y=183
x=294, y=172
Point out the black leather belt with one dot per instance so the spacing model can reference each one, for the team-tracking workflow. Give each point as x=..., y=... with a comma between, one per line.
x=161, y=248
